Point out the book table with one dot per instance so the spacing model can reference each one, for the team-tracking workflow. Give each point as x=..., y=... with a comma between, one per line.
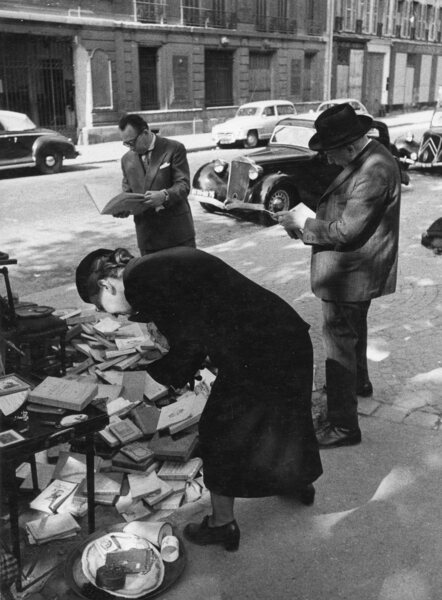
x=39, y=435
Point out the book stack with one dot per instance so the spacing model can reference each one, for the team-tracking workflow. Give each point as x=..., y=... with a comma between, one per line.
x=107, y=488
x=63, y=393
x=52, y=527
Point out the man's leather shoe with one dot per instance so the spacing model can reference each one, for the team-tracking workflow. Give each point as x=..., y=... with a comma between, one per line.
x=333, y=437
x=365, y=390
x=306, y=494
x=202, y=534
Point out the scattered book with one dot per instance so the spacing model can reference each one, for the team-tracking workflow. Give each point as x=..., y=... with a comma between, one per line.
x=63, y=393
x=107, y=326
x=154, y=390
x=53, y=496
x=197, y=405
x=149, y=487
x=137, y=451
x=66, y=313
x=71, y=466
x=110, y=439
x=108, y=391
x=9, y=437
x=45, y=473
x=133, y=385
x=106, y=485
x=172, y=502
x=128, y=465
x=52, y=527
x=146, y=418
x=128, y=362
x=86, y=316
x=118, y=406
x=125, y=431
x=179, y=470
x=179, y=448
x=174, y=413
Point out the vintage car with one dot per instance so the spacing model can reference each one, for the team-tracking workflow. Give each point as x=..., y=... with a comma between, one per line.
x=23, y=144
x=274, y=178
x=253, y=122
x=357, y=105
x=427, y=152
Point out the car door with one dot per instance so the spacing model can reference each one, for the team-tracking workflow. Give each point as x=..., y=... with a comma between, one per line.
x=15, y=146
x=8, y=148
x=269, y=120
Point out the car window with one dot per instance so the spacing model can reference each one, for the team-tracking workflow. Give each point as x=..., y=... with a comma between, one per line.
x=269, y=111
x=356, y=105
x=246, y=111
x=285, y=109
x=293, y=136
x=1, y=126
x=17, y=122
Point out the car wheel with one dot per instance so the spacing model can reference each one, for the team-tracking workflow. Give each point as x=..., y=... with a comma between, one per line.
x=252, y=139
x=281, y=197
x=208, y=207
x=49, y=162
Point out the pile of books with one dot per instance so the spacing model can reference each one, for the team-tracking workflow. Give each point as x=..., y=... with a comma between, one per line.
x=146, y=458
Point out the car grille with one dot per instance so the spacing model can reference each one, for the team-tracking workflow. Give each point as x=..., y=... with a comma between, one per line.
x=429, y=149
x=238, y=180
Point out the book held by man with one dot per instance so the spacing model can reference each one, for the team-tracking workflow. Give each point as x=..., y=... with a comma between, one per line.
x=107, y=203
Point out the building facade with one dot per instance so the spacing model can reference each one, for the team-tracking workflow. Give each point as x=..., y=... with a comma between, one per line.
x=185, y=64
x=388, y=53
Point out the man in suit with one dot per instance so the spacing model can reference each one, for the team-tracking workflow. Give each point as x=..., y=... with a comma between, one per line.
x=354, y=240
x=157, y=167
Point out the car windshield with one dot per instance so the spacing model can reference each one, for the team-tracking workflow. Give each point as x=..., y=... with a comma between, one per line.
x=16, y=122
x=246, y=111
x=292, y=135
x=436, y=120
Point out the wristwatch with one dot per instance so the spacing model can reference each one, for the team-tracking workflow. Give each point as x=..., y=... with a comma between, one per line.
x=166, y=197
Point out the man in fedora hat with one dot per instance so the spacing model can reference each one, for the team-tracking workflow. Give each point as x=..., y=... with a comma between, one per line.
x=354, y=240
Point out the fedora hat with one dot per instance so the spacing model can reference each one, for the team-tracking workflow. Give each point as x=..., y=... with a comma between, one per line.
x=337, y=126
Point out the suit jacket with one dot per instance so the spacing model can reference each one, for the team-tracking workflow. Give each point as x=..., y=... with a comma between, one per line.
x=169, y=170
x=355, y=233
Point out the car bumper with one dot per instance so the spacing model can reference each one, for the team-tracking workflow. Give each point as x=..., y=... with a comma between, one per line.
x=227, y=205
x=419, y=164
x=224, y=138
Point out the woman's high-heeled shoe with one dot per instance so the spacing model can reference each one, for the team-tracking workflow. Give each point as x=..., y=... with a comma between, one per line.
x=202, y=534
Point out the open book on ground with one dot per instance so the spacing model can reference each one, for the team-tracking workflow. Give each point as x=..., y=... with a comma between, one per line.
x=107, y=203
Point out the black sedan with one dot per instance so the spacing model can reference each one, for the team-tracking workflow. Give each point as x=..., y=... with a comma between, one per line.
x=426, y=153
x=23, y=144
x=274, y=178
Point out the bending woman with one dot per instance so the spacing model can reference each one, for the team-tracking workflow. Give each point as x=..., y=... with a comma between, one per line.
x=256, y=432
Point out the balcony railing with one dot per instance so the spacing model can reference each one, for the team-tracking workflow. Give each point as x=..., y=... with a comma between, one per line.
x=207, y=17
x=151, y=12
x=314, y=28
x=275, y=24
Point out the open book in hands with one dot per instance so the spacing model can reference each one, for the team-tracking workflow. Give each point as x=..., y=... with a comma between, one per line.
x=123, y=202
x=302, y=213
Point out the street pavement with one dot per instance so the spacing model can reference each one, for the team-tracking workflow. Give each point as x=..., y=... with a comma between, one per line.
x=375, y=530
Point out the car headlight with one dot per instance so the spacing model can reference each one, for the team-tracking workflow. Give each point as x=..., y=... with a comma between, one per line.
x=220, y=166
x=409, y=137
x=255, y=172
x=413, y=156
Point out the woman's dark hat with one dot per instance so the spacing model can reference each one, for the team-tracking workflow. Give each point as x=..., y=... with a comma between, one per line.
x=337, y=126
x=87, y=276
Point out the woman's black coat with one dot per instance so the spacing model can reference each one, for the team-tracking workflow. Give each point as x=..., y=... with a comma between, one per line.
x=256, y=432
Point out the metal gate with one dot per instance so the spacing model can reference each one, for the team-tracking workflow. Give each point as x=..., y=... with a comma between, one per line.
x=36, y=75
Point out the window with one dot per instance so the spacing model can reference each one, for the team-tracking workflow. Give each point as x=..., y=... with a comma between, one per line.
x=147, y=58
x=285, y=109
x=349, y=15
x=218, y=78
x=282, y=9
x=269, y=111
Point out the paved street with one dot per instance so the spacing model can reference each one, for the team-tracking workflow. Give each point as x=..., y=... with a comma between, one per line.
x=375, y=530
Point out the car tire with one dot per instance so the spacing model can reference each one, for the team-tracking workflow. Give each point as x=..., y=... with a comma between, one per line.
x=281, y=197
x=49, y=162
x=252, y=139
x=208, y=207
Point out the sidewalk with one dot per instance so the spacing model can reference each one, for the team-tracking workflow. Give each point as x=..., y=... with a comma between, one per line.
x=110, y=151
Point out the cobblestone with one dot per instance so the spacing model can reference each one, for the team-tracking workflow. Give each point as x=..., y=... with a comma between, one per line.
x=367, y=406
x=422, y=419
x=392, y=413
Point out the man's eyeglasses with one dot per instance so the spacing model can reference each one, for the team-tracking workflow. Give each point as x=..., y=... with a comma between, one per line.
x=131, y=143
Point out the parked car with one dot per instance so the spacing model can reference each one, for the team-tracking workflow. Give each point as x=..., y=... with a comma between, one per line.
x=23, y=144
x=270, y=179
x=357, y=105
x=427, y=152
x=253, y=122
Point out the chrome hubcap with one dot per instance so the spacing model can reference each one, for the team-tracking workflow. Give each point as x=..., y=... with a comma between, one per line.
x=279, y=201
x=50, y=161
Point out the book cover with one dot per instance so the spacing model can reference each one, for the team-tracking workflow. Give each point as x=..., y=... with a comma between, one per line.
x=154, y=498
x=106, y=326
x=198, y=402
x=71, y=466
x=143, y=486
x=179, y=470
x=128, y=362
x=110, y=439
x=52, y=527
x=53, y=496
x=102, y=195
x=63, y=393
x=137, y=451
x=154, y=390
x=174, y=413
x=178, y=448
x=106, y=484
x=133, y=385
x=146, y=418
x=125, y=431
x=123, y=460
x=45, y=473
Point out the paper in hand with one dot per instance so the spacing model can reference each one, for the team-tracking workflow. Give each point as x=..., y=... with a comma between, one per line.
x=302, y=213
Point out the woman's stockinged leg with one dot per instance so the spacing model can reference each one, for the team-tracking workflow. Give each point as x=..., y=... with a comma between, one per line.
x=222, y=510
